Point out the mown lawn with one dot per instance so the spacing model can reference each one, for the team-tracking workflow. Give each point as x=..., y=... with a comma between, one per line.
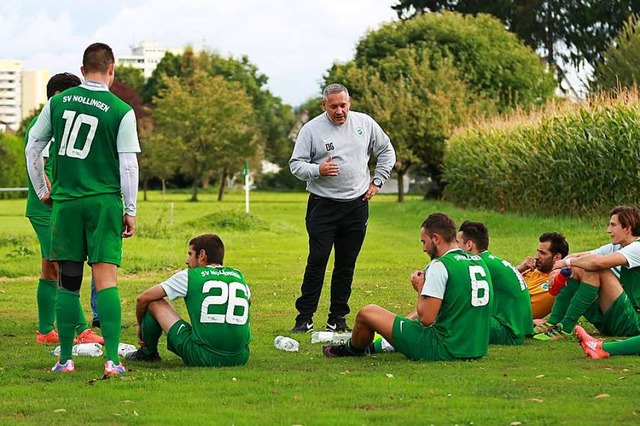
x=537, y=383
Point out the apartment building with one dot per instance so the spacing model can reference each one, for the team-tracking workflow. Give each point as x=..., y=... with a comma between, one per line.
x=147, y=55
x=34, y=90
x=10, y=93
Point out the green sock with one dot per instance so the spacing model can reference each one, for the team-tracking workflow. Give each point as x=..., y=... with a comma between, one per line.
x=110, y=313
x=583, y=299
x=375, y=347
x=151, y=332
x=629, y=346
x=46, y=296
x=82, y=321
x=67, y=307
x=562, y=301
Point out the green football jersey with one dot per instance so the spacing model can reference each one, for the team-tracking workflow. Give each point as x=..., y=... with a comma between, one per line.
x=511, y=303
x=463, y=320
x=630, y=281
x=90, y=126
x=217, y=300
x=35, y=207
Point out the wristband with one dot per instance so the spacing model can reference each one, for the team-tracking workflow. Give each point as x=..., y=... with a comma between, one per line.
x=567, y=261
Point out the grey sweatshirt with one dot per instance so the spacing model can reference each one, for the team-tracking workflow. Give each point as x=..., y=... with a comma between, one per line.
x=351, y=145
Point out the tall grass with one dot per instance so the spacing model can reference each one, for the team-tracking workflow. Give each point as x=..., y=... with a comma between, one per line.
x=565, y=159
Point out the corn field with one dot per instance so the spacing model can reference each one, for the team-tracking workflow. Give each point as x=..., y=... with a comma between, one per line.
x=569, y=159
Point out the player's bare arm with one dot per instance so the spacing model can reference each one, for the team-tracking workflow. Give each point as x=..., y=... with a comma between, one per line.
x=593, y=262
x=428, y=309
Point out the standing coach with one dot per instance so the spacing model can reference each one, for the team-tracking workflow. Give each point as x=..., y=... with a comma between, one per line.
x=332, y=155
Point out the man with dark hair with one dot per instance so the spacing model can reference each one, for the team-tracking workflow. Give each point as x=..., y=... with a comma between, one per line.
x=217, y=300
x=452, y=311
x=332, y=153
x=511, y=307
x=94, y=148
x=608, y=293
x=535, y=270
x=39, y=215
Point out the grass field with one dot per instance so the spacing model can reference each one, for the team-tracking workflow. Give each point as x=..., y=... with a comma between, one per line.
x=537, y=383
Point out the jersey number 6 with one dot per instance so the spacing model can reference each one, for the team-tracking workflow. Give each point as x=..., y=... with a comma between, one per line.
x=479, y=286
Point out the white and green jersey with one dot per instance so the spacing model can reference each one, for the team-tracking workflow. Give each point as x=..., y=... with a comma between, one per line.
x=628, y=274
x=463, y=283
x=217, y=300
x=511, y=303
x=90, y=126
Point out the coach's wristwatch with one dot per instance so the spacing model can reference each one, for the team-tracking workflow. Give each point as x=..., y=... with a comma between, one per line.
x=377, y=182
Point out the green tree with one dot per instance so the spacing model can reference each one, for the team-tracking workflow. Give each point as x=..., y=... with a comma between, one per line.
x=131, y=76
x=27, y=120
x=13, y=172
x=567, y=31
x=273, y=118
x=492, y=60
x=211, y=122
x=416, y=105
x=157, y=159
x=620, y=64
x=422, y=78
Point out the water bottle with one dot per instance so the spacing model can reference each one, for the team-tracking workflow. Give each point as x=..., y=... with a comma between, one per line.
x=87, y=349
x=83, y=349
x=330, y=336
x=560, y=281
x=286, y=344
x=124, y=349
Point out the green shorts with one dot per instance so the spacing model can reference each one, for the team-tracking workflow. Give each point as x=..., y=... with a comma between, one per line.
x=88, y=228
x=415, y=341
x=501, y=334
x=621, y=319
x=42, y=226
x=180, y=341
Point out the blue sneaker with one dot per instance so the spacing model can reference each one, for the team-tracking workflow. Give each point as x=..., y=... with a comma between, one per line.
x=67, y=367
x=111, y=368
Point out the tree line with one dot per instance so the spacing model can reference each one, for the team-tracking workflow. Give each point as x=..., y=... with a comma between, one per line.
x=442, y=65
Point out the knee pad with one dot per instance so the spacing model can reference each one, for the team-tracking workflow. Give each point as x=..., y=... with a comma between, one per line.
x=71, y=275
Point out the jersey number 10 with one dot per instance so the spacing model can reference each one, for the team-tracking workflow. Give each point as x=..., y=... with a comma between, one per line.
x=72, y=126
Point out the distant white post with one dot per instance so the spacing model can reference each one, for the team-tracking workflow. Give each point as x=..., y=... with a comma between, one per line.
x=246, y=186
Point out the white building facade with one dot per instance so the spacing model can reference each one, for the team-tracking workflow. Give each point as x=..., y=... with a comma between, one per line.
x=10, y=93
x=145, y=56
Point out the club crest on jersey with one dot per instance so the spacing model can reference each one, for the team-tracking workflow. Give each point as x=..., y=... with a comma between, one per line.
x=359, y=131
x=544, y=286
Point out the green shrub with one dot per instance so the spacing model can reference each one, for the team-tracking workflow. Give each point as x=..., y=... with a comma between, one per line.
x=13, y=172
x=569, y=162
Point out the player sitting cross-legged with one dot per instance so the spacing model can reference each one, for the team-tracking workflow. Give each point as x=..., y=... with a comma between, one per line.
x=453, y=309
x=217, y=300
x=511, y=305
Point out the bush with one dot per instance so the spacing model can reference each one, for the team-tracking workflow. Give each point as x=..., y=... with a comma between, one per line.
x=13, y=172
x=281, y=181
x=578, y=162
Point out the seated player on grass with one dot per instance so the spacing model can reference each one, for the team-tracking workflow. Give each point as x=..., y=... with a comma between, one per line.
x=608, y=293
x=453, y=306
x=552, y=247
x=217, y=300
x=511, y=318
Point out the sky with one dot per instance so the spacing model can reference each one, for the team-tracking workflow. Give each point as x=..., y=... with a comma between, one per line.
x=292, y=42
